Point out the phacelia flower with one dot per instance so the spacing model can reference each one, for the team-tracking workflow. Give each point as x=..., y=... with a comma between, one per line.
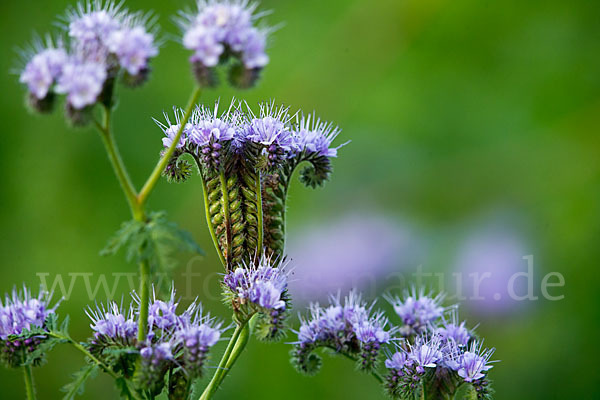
x=398, y=361
x=473, y=364
x=91, y=24
x=197, y=334
x=113, y=323
x=314, y=137
x=82, y=82
x=133, y=48
x=417, y=311
x=42, y=70
x=220, y=29
x=426, y=352
x=170, y=130
x=162, y=314
x=454, y=331
x=270, y=129
x=262, y=285
x=22, y=312
x=348, y=327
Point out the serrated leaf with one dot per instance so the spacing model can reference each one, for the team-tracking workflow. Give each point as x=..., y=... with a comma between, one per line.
x=153, y=241
x=77, y=386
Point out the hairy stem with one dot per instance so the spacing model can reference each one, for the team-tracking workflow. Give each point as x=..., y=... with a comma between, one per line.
x=162, y=163
x=144, y=300
x=234, y=348
x=29, y=385
x=119, y=167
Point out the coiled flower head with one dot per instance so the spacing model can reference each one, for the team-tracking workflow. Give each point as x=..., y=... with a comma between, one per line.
x=417, y=310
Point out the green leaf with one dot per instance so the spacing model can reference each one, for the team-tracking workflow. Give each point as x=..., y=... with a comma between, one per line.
x=154, y=241
x=77, y=386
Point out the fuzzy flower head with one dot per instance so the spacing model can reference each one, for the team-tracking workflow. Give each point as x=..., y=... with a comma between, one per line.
x=208, y=126
x=473, y=364
x=314, y=137
x=452, y=330
x=82, y=82
x=221, y=26
x=90, y=24
x=21, y=311
x=426, y=352
x=44, y=65
x=113, y=322
x=417, y=310
x=263, y=285
x=171, y=129
x=133, y=48
x=162, y=314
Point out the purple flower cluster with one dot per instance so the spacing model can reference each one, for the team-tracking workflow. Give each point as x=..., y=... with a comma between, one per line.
x=215, y=138
x=21, y=312
x=220, y=28
x=349, y=328
x=259, y=286
x=409, y=365
x=23, y=321
x=103, y=39
x=173, y=339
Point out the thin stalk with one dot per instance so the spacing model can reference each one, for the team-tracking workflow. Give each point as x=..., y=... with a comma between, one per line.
x=29, y=385
x=144, y=300
x=229, y=357
x=162, y=163
x=259, y=210
x=118, y=165
x=225, y=199
x=211, y=228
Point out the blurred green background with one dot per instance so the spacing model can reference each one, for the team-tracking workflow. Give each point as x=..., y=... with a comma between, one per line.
x=459, y=112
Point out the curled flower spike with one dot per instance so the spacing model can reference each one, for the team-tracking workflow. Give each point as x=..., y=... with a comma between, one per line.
x=111, y=323
x=220, y=29
x=23, y=322
x=314, y=137
x=348, y=328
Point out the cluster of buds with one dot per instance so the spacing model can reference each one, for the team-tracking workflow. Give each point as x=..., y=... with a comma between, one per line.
x=349, y=327
x=104, y=41
x=220, y=30
x=246, y=162
x=23, y=324
x=176, y=345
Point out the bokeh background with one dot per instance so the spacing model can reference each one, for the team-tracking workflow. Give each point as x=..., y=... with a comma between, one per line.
x=475, y=142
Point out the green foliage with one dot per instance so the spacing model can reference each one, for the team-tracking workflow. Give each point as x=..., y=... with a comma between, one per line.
x=77, y=386
x=153, y=241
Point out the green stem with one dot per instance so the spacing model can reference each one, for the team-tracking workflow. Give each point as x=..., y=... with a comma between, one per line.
x=259, y=210
x=232, y=352
x=119, y=166
x=162, y=163
x=29, y=386
x=211, y=228
x=144, y=300
x=225, y=199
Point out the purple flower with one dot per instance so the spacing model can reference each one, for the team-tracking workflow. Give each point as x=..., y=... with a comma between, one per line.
x=113, y=322
x=156, y=353
x=161, y=314
x=417, y=310
x=253, y=49
x=171, y=130
x=398, y=361
x=426, y=353
x=473, y=363
x=218, y=25
x=133, y=47
x=82, y=82
x=42, y=70
x=21, y=311
x=207, y=126
x=262, y=284
x=454, y=331
x=373, y=329
x=314, y=136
